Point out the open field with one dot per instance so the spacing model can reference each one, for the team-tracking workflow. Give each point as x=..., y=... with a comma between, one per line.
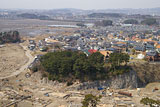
x=12, y=57
x=31, y=27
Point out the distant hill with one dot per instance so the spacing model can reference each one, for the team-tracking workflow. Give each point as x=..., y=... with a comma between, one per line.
x=131, y=21
x=43, y=17
x=145, y=11
x=139, y=16
x=113, y=13
x=103, y=15
x=33, y=16
x=128, y=11
x=150, y=21
x=28, y=15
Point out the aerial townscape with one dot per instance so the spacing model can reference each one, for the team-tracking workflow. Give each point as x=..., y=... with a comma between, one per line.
x=71, y=57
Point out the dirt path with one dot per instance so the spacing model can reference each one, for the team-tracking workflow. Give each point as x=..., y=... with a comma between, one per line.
x=24, y=67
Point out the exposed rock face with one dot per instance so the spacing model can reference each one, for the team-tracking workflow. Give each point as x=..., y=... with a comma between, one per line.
x=147, y=73
x=140, y=76
x=127, y=80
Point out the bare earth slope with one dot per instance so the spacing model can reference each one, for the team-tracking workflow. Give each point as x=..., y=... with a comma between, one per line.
x=12, y=57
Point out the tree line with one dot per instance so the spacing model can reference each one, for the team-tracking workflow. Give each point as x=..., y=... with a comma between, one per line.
x=69, y=66
x=103, y=15
x=104, y=23
x=33, y=16
x=9, y=37
x=148, y=21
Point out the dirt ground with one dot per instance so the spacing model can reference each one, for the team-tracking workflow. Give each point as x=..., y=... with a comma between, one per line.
x=12, y=57
x=59, y=96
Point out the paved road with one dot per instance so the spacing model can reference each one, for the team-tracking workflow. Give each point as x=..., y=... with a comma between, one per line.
x=24, y=67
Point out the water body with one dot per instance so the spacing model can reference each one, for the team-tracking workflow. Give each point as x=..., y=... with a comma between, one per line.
x=65, y=26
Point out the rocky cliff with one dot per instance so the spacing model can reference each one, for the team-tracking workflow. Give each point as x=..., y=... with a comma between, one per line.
x=140, y=76
x=127, y=80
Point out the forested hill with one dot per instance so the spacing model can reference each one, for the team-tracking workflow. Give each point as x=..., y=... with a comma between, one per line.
x=68, y=66
x=33, y=16
x=9, y=37
x=103, y=15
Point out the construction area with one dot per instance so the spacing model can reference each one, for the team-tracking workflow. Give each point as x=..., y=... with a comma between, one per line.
x=37, y=92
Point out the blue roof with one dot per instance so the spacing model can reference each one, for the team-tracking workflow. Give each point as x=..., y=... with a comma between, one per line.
x=100, y=88
x=151, y=53
x=139, y=48
x=121, y=45
x=111, y=49
x=149, y=46
x=131, y=41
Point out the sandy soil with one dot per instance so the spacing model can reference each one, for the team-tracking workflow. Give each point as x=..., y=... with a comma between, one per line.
x=35, y=87
x=12, y=57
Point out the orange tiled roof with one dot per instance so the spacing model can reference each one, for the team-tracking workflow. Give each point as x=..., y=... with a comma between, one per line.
x=146, y=40
x=138, y=39
x=158, y=46
x=121, y=42
x=105, y=53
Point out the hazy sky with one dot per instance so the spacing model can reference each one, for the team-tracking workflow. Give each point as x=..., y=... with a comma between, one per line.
x=79, y=4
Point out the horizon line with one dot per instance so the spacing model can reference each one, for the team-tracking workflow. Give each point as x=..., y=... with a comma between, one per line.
x=74, y=8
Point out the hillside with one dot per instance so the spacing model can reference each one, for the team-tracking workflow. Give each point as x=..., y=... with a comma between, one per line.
x=103, y=15
x=147, y=73
x=139, y=77
x=33, y=16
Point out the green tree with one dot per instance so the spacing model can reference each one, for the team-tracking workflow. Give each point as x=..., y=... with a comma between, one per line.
x=91, y=100
x=133, y=51
x=67, y=64
x=81, y=24
x=9, y=37
x=104, y=23
x=107, y=22
x=149, y=21
x=150, y=102
x=131, y=21
x=116, y=59
x=97, y=60
x=125, y=58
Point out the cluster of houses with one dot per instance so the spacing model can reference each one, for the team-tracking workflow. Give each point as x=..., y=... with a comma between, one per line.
x=143, y=44
x=32, y=44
